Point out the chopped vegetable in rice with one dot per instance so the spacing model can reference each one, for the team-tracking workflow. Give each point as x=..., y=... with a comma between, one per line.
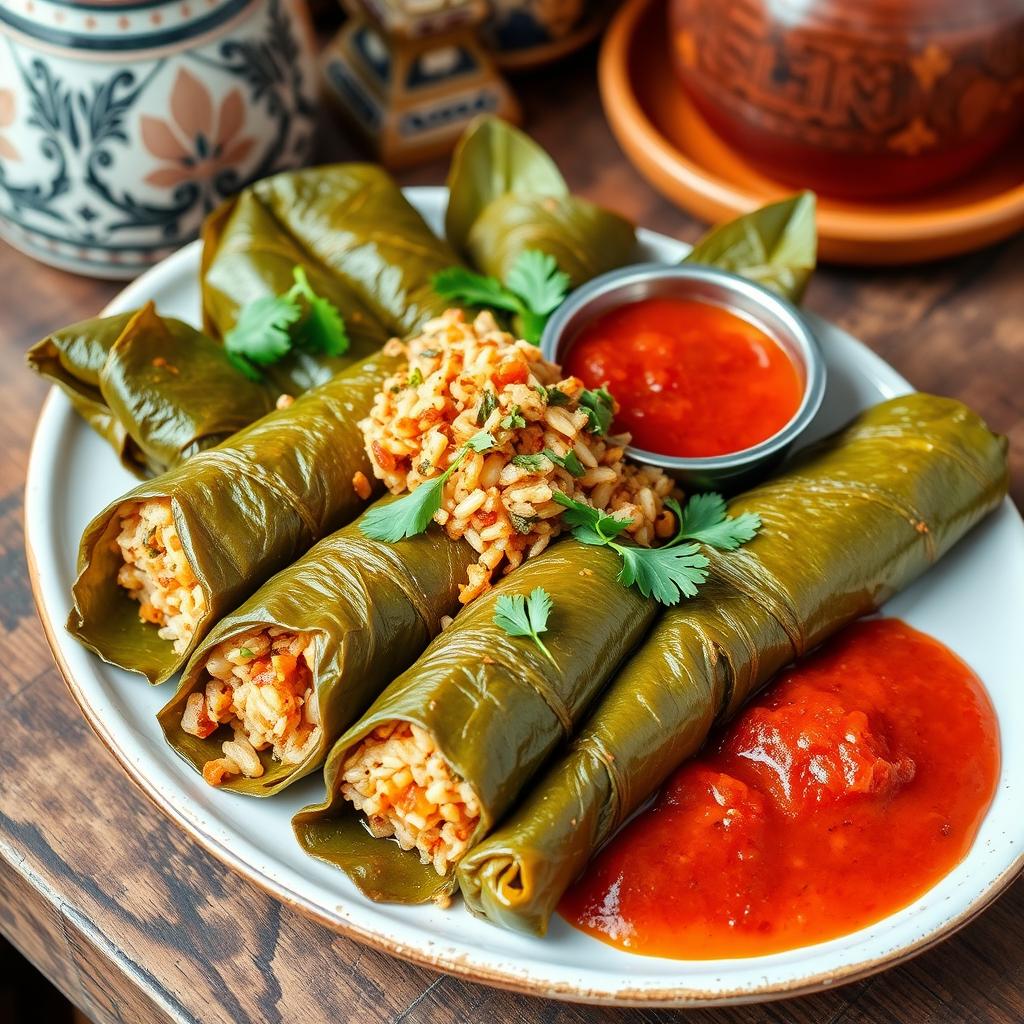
x=466, y=377
x=403, y=785
x=261, y=685
x=156, y=572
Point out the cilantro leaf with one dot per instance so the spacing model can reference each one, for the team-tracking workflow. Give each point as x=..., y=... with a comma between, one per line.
x=536, y=279
x=513, y=420
x=456, y=284
x=530, y=326
x=521, y=616
x=665, y=573
x=488, y=403
x=481, y=442
x=522, y=524
x=409, y=515
x=578, y=513
x=673, y=570
x=532, y=462
x=534, y=289
x=261, y=333
x=269, y=327
x=569, y=462
x=323, y=329
x=705, y=520
x=598, y=406
x=556, y=397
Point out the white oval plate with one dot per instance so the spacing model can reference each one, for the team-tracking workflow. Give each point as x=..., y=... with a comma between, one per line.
x=973, y=601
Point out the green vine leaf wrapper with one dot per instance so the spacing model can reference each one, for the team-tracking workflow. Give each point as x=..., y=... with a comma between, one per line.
x=584, y=239
x=363, y=246
x=492, y=159
x=243, y=511
x=776, y=245
x=155, y=388
x=371, y=607
x=507, y=196
x=850, y=523
x=520, y=703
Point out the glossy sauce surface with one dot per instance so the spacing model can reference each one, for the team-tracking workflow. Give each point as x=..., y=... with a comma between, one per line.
x=839, y=796
x=691, y=379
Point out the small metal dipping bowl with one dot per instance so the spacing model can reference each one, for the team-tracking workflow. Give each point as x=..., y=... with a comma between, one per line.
x=766, y=310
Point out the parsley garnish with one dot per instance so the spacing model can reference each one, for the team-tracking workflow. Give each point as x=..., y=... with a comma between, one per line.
x=533, y=290
x=522, y=524
x=412, y=514
x=271, y=326
x=705, y=521
x=526, y=616
x=598, y=405
x=415, y=378
x=488, y=403
x=513, y=419
x=569, y=462
x=556, y=397
x=675, y=569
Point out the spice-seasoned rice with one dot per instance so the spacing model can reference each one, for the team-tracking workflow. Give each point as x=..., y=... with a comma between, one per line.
x=261, y=685
x=465, y=377
x=403, y=785
x=156, y=572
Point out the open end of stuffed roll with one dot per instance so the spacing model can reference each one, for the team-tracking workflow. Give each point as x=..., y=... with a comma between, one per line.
x=261, y=685
x=156, y=571
x=402, y=783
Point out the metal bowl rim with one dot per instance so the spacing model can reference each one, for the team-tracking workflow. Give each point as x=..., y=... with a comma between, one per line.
x=801, y=335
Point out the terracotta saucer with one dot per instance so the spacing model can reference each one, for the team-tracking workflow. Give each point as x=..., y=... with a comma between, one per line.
x=673, y=147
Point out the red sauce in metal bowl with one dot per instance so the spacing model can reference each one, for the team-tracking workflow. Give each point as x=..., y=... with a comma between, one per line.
x=691, y=379
x=841, y=795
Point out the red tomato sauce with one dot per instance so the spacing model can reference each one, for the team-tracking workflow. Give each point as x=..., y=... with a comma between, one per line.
x=691, y=379
x=841, y=795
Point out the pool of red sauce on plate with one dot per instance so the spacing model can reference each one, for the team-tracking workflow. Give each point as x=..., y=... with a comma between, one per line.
x=844, y=792
x=691, y=379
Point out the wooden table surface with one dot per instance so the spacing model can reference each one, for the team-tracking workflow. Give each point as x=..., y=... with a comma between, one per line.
x=136, y=924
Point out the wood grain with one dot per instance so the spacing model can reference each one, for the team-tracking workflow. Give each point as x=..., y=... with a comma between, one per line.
x=135, y=924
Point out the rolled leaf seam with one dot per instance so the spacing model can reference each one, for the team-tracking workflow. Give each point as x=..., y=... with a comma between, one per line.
x=230, y=458
x=618, y=784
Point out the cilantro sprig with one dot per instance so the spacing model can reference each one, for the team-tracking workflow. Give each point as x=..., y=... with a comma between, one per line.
x=569, y=462
x=673, y=570
x=533, y=290
x=526, y=616
x=272, y=326
x=413, y=512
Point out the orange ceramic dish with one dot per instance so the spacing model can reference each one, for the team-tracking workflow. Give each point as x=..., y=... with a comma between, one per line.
x=673, y=147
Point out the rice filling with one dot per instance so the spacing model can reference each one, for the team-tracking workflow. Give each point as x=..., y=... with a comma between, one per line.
x=261, y=685
x=156, y=572
x=407, y=790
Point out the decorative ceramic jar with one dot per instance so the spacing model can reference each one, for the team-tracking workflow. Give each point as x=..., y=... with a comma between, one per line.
x=862, y=99
x=526, y=33
x=123, y=122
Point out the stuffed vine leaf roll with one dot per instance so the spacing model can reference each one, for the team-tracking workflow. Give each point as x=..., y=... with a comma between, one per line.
x=854, y=520
x=192, y=544
x=299, y=661
x=155, y=388
x=469, y=724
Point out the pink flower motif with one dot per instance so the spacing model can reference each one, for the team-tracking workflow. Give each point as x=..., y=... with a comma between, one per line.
x=193, y=148
x=7, y=150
